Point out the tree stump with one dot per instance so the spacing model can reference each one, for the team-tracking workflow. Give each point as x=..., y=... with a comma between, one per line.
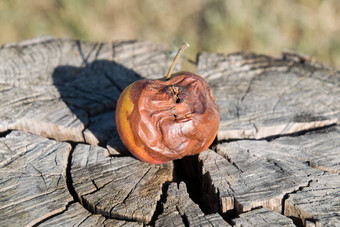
x=276, y=159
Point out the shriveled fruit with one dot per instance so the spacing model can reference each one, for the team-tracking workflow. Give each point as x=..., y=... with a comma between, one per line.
x=167, y=119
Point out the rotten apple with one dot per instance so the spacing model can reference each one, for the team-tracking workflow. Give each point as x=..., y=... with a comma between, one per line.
x=167, y=119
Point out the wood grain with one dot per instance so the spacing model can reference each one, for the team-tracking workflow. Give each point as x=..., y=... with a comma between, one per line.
x=180, y=210
x=32, y=179
x=319, y=203
x=275, y=160
x=56, y=87
x=77, y=215
x=249, y=174
x=262, y=217
x=117, y=187
x=261, y=96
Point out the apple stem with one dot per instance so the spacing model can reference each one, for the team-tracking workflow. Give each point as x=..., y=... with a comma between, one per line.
x=179, y=52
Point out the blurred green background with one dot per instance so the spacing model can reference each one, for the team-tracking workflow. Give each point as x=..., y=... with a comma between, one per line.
x=311, y=27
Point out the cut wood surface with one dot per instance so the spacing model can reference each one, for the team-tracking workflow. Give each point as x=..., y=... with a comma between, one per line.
x=32, y=179
x=180, y=210
x=55, y=87
x=249, y=174
x=276, y=159
x=77, y=215
x=319, y=202
x=262, y=217
x=117, y=187
x=261, y=96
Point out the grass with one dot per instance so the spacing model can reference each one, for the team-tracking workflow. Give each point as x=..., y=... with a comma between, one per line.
x=307, y=26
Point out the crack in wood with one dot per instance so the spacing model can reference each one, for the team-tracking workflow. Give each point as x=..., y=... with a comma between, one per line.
x=50, y=215
x=270, y=160
x=297, y=222
x=68, y=176
x=200, y=186
x=160, y=204
x=249, y=86
x=184, y=217
x=82, y=54
x=113, y=82
x=274, y=137
x=40, y=174
x=187, y=170
x=231, y=162
x=286, y=91
x=129, y=193
x=5, y=133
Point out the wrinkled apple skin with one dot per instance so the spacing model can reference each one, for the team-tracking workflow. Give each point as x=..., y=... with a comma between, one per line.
x=163, y=120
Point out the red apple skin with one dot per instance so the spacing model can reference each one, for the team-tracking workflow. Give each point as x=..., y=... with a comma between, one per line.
x=163, y=120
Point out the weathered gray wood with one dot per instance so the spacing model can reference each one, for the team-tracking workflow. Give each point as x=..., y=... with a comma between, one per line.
x=117, y=187
x=66, y=90
x=262, y=217
x=77, y=215
x=319, y=203
x=319, y=149
x=55, y=87
x=260, y=96
x=248, y=174
x=32, y=179
x=180, y=210
x=244, y=180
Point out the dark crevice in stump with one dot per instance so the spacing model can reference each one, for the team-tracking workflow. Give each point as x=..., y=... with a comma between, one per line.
x=184, y=219
x=161, y=201
x=214, y=194
x=297, y=221
x=68, y=176
x=200, y=187
x=210, y=195
x=5, y=133
x=279, y=135
x=186, y=170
